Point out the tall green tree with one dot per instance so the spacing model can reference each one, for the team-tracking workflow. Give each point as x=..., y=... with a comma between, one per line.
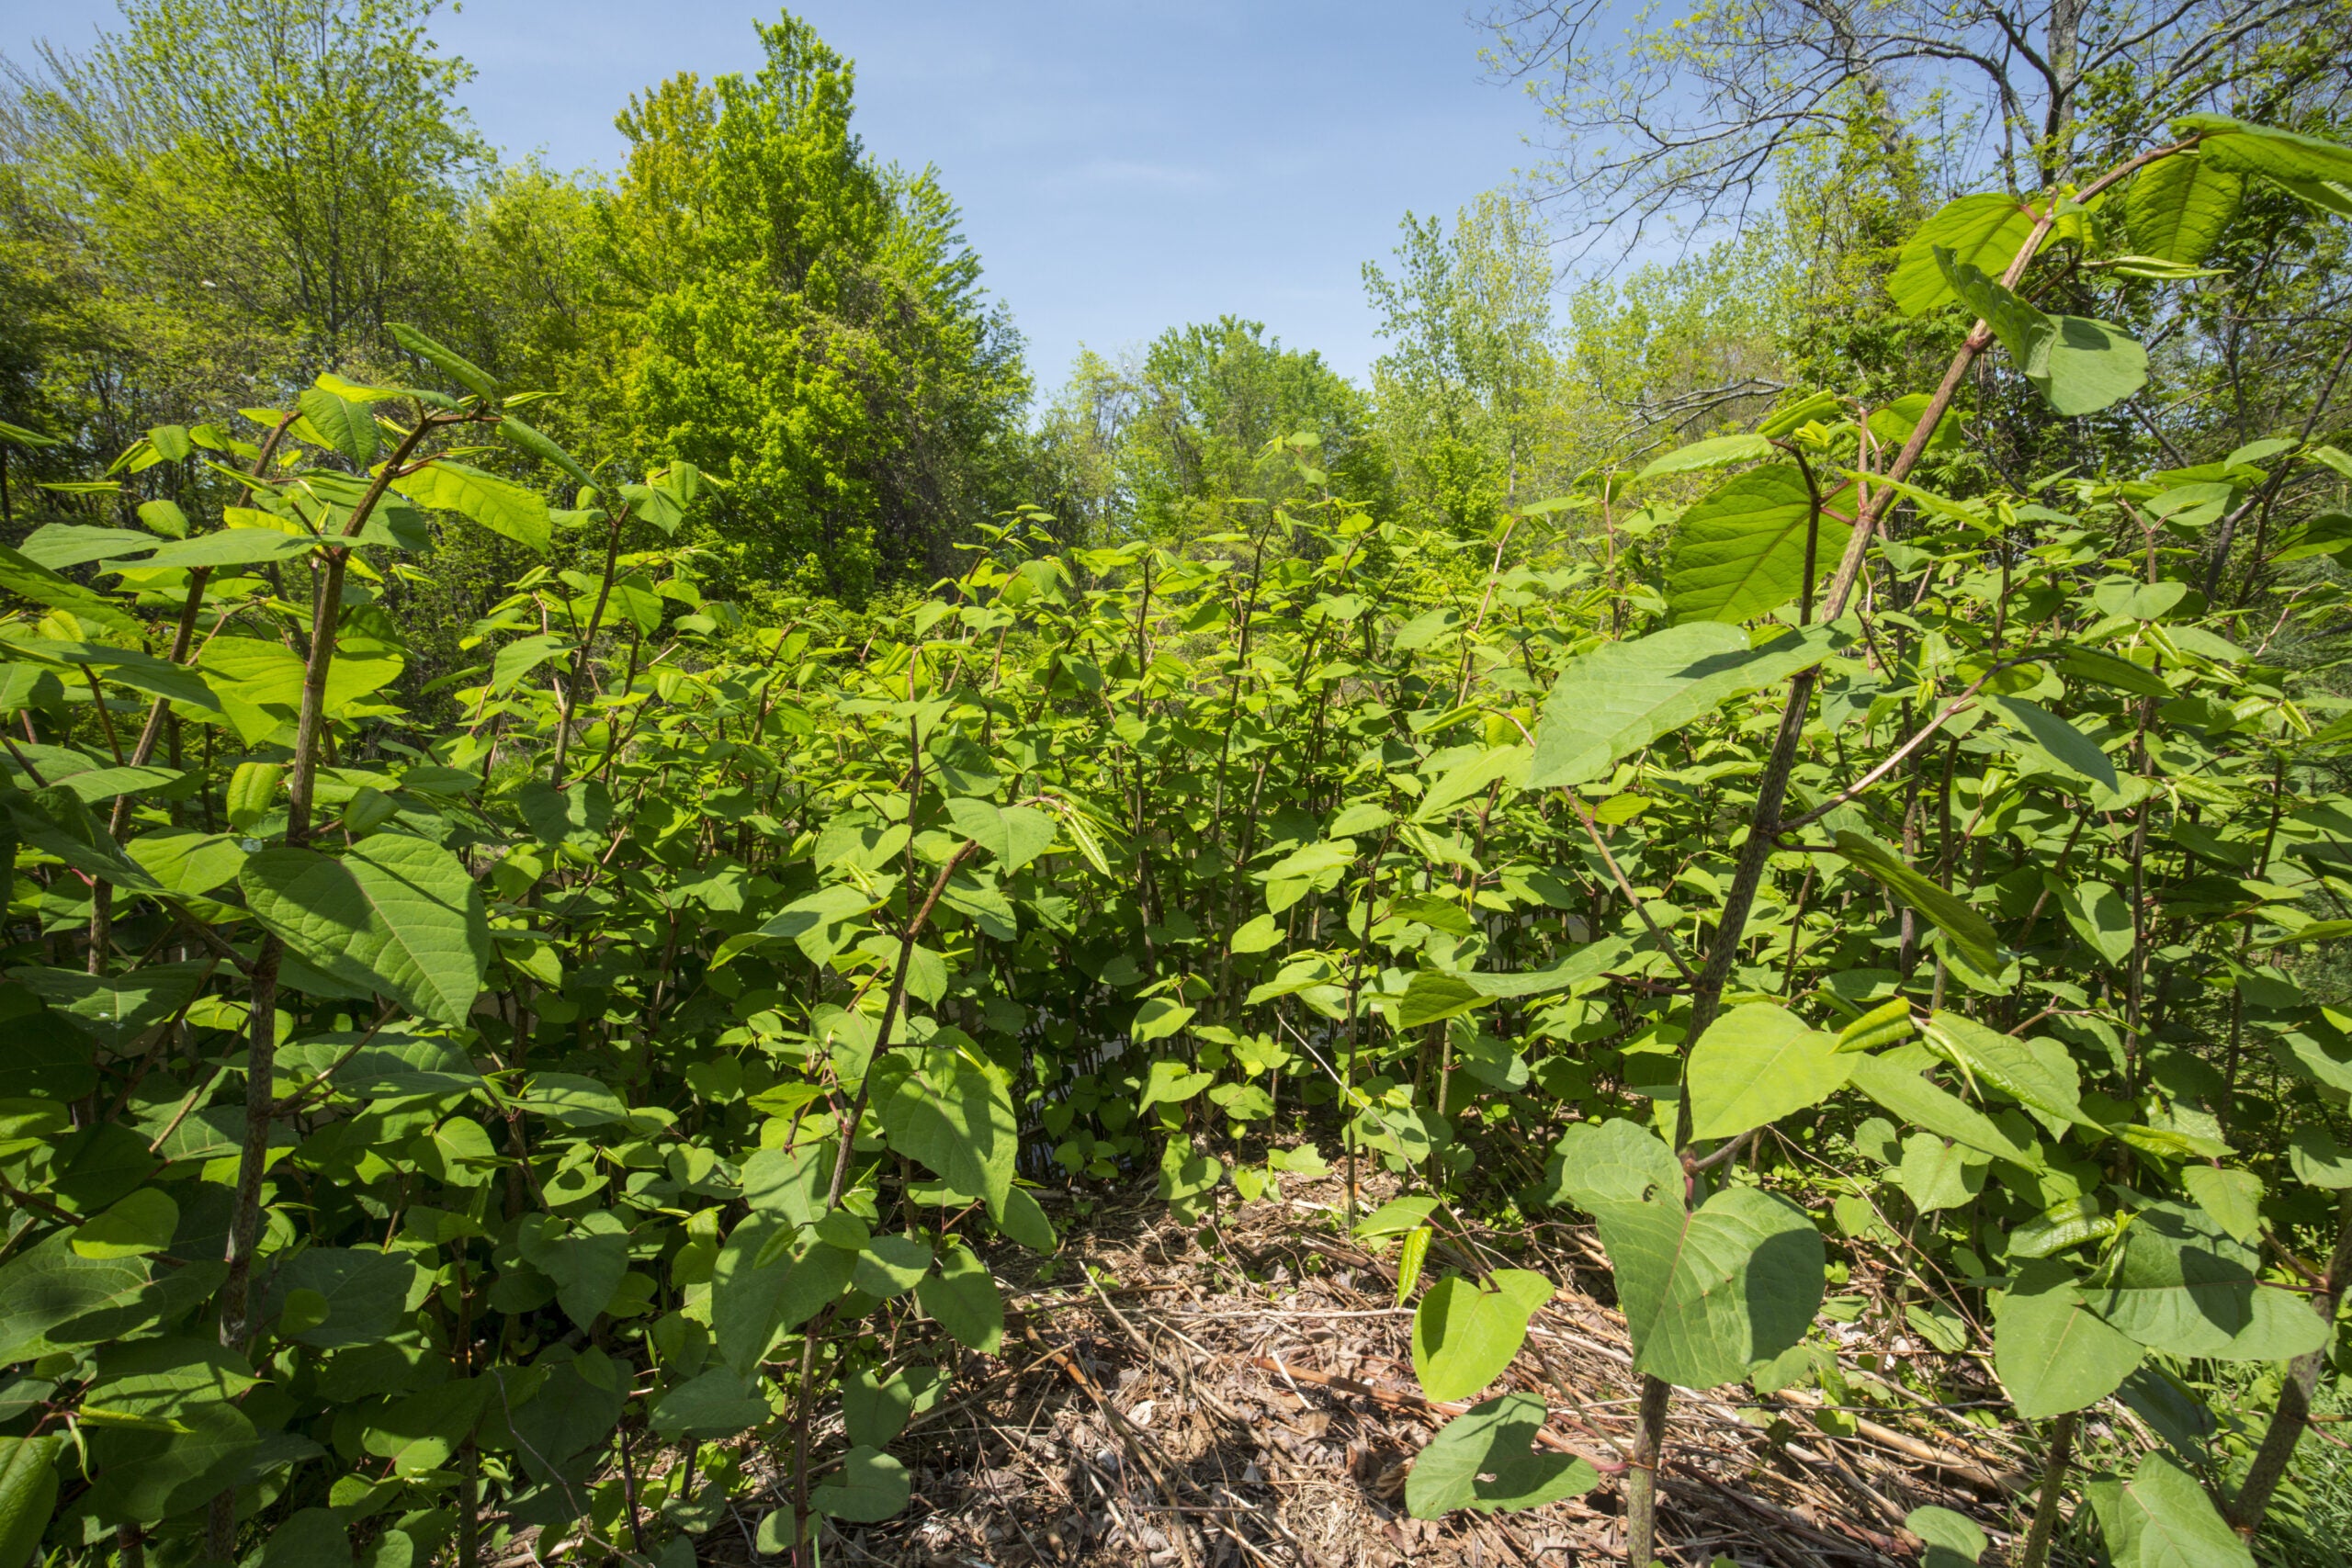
x=261, y=187
x=806, y=323
x=1466, y=389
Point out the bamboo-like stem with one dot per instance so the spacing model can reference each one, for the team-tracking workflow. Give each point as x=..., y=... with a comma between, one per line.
x=2045, y=1508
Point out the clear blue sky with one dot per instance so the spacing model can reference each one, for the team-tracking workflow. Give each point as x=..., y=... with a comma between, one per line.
x=1122, y=166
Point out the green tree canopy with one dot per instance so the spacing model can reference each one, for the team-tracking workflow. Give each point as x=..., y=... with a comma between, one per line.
x=805, y=322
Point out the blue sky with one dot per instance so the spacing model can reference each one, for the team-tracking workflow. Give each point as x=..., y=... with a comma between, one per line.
x=1122, y=166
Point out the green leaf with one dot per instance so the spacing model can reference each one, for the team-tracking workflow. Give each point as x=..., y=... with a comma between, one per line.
x=962, y=1295
x=1711, y=454
x=1157, y=1020
x=1705, y=1295
x=890, y=1265
x=2177, y=208
x=1617, y=699
x=943, y=1108
x=2097, y=914
x=1467, y=780
x=869, y=1487
x=395, y=916
x=312, y=1538
x=769, y=1277
x=340, y=425
x=2051, y=1352
x=2184, y=1288
x=61, y=545
x=1484, y=1460
x=1893, y=1079
x=1953, y=1539
x=1464, y=1336
x=453, y=365
x=545, y=450
x=1938, y=1175
x=1757, y=1064
x=2078, y=365
x=27, y=1493
x=504, y=509
x=1741, y=552
x=2037, y=1073
x=2070, y=747
x=152, y=1475
x=2317, y=1161
x=139, y=1224
x=2162, y=1518
x=230, y=546
x=1171, y=1083
x=585, y=1257
x=1986, y=231
x=48, y=1290
x=2245, y=148
x=2231, y=1198
x=875, y=1409
x=716, y=1404
x=364, y=1292
x=1968, y=932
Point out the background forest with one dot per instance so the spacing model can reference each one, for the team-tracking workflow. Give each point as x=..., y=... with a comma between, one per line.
x=626, y=844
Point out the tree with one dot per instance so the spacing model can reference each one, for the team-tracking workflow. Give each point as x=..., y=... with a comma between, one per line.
x=804, y=322
x=1198, y=414
x=1466, y=392
x=263, y=186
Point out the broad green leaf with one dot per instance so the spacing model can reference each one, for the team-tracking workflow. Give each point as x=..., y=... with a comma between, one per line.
x=770, y=1277
x=1710, y=454
x=874, y=1409
x=890, y=1265
x=2037, y=1073
x=450, y=363
x=1617, y=699
x=148, y=1476
x=395, y=916
x=718, y=1402
x=2051, y=1352
x=1954, y=1540
x=2245, y=148
x=311, y=1537
x=962, y=1295
x=2316, y=1160
x=869, y=1487
x=2162, y=1518
x=187, y=863
x=27, y=1493
x=2058, y=739
x=1986, y=230
x=1938, y=1175
x=1741, y=552
x=364, y=1291
x=2078, y=365
x=581, y=814
x=230, y=546
x=60, y=546
x=585, y=1257
x=137, y=1226
x=1968, y=932
x=2176, y=207
x=1470, y=781
x=1171, y=1083
x=1464, y=1336
x=1485, y=1460
x=1893, y=1079
x=576, y=1407
x=1157, y=1020
x=47, y=1289
x=116, y=1009
x=340, y=425
x=2231, y=1199
x=1706, y=1295
x=941, y=1108
x=545, y=450
x=2186, y=1289
x=1757, y=1064
x=504, y=508
x=2097, y=914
